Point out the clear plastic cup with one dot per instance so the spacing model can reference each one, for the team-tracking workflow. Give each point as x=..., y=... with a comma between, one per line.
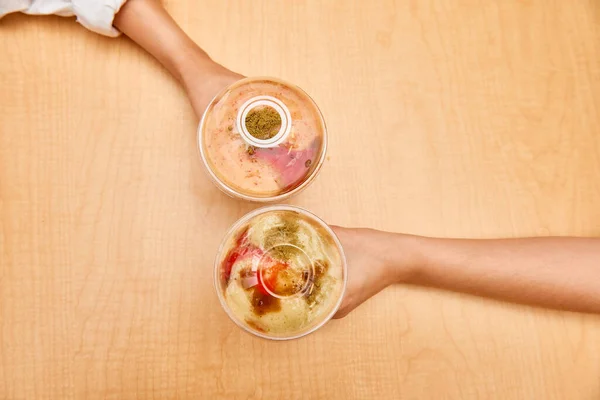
x=280, y=272
x=262, y=139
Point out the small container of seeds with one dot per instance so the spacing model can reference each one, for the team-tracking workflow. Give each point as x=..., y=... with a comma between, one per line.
x=262, y=139
x=280, y=272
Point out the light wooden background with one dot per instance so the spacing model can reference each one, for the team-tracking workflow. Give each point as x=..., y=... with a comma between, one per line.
x=468, y=118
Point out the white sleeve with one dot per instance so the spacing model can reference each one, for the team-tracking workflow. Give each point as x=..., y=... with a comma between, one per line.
x=96, y=15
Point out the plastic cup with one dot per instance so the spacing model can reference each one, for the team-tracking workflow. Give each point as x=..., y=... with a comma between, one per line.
x=269, y=167
x=280, y=272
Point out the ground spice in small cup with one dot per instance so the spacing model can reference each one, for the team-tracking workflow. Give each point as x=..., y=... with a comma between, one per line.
x=263, y=123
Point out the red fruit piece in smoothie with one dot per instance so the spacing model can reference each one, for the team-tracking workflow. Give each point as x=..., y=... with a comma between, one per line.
x=227, y=265
x=241, y=249
x=269, y=277
x=292, y=165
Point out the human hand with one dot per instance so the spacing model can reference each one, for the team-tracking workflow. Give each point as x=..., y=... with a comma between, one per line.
x=376, y=260
x=203, y=79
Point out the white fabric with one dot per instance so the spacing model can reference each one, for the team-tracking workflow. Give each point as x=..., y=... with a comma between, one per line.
x=96, y=15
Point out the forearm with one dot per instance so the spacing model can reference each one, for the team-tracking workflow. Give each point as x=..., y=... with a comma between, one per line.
x=562, y=273
x=148, y=24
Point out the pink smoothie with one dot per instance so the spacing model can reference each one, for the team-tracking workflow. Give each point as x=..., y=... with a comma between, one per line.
x=256, y=172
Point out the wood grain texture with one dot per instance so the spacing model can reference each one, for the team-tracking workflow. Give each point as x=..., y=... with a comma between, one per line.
x=468, y=118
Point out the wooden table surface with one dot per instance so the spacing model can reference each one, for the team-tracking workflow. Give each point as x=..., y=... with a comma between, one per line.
x=466, y=118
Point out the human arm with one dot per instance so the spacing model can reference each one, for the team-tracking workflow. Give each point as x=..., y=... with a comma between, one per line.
x=148, y=24
x=554, y=272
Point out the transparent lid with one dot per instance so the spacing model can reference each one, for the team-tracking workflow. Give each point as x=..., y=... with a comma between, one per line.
x=262, y=139
x=280, y=272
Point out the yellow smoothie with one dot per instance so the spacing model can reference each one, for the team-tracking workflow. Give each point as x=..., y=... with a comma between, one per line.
x=281, y=273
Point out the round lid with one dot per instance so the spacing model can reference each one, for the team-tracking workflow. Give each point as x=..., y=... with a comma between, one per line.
x=262, y=139
x=280, y=272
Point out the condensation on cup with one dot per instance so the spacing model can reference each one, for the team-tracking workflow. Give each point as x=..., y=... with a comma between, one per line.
x=262, y=139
